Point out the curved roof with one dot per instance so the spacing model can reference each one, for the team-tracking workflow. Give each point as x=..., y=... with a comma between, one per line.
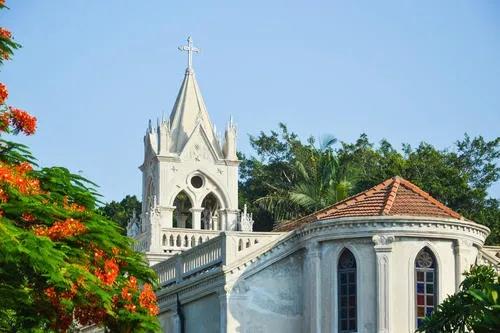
x=393, y=197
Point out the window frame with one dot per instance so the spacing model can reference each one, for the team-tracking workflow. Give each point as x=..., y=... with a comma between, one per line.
x=351, y=279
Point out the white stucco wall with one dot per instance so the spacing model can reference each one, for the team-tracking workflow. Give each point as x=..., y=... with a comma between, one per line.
x=202, y=315
x=272, y=301
x=366, y=283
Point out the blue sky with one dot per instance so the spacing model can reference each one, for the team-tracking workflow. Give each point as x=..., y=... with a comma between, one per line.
x=94, y=72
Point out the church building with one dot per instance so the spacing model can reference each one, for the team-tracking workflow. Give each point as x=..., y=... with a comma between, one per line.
x=379, y=261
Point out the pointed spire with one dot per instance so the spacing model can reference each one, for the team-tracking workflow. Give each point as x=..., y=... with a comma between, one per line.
x=189, y=109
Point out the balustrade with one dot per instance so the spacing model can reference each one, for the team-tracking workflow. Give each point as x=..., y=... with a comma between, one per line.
x=212, y=251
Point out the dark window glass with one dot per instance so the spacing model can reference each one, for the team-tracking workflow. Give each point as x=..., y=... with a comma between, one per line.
x=347, y=292
x=425, y=273
x=197, y=181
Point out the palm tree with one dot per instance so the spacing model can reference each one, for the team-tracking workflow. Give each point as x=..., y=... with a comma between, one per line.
x=318, y=180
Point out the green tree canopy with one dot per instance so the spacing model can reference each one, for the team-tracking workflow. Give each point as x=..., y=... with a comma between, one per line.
x=288, y=177
x=122, y=211
x=61, y=262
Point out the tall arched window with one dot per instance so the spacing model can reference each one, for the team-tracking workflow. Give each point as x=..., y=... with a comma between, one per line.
x=347, y=292
x=426, y=284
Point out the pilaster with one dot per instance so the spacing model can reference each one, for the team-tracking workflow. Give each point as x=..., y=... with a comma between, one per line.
x=312, y=281
x=462, y=250
x=383, y=252
x=223, y=304
x=155, y=241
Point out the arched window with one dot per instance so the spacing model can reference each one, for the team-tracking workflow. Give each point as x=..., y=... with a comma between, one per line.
x=426, y=284
x=347, y=295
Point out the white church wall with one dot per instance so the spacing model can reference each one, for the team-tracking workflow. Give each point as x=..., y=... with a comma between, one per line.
x=364, y=254
x=405, y=250
x=167, y=321
x=272, y=301
x=202, y=315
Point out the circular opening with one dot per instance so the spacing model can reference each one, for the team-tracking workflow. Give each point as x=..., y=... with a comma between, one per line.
x=197, y=182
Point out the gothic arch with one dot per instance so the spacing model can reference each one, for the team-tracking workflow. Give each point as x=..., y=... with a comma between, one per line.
x=217, y=196
x=188, y=193
x=347, y=291
x=182, y=216
x=412, y=280
x=210, y=217
x=219, y=190
x=335, y=252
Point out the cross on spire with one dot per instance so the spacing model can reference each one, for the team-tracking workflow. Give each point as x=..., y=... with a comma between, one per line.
x=189, y=49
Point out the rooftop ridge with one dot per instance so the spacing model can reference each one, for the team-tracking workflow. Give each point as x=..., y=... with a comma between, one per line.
x=380, y=200
x=391, y=195
x=409, y=185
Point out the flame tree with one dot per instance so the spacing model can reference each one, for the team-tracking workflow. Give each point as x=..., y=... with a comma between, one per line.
x=62, y=264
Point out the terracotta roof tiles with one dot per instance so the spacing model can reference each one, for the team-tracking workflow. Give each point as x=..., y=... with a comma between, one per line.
x=393, y=197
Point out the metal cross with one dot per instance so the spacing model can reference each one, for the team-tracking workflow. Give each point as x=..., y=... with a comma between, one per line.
x=189, y=49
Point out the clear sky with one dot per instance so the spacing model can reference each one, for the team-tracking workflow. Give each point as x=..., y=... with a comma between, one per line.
x=95, y=71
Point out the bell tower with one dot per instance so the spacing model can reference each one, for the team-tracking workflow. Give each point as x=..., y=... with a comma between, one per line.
x=189, y=177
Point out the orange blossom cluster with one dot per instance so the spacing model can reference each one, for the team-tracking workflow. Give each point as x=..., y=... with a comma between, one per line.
x=64, y=318
x=4, y=93
x=61, y=229
x=5, y=34
x=22, y=121
x=16, y=176
x=147, y=299
x=109, y=271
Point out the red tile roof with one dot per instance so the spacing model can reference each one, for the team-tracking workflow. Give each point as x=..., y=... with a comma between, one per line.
x=393, y=197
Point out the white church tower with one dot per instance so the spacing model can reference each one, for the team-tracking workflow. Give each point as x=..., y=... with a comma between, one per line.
x=189, y=178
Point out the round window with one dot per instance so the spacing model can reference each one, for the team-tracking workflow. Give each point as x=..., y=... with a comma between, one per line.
x=197, y=181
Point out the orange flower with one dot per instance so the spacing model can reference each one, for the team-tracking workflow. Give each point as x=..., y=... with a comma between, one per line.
x=61, y=229
x=126, y=294
x=16, y=176
x=72, y=206
x=4, y=33
x=3, y=196
x=132, y=283
x=130, y=307
x=147, y=299
x=23, y=121
x=110, y=272
x=4, y=93
x=27, y=217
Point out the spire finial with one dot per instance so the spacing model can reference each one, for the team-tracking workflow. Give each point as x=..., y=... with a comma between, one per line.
x=189, y=48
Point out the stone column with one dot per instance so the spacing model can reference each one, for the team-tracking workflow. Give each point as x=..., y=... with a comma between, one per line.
x=383, y=252
x=223, y=219
x=312, y=283
x=167, y=220
x=181, y=220
x=462, y=251
x=196, y=217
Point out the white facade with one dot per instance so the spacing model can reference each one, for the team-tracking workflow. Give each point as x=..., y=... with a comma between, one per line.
x=218, y=276
x=289, y=281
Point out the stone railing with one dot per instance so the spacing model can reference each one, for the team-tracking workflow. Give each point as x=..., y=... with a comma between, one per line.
x=174, y=240
x=488, y=257
x=221, y=250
